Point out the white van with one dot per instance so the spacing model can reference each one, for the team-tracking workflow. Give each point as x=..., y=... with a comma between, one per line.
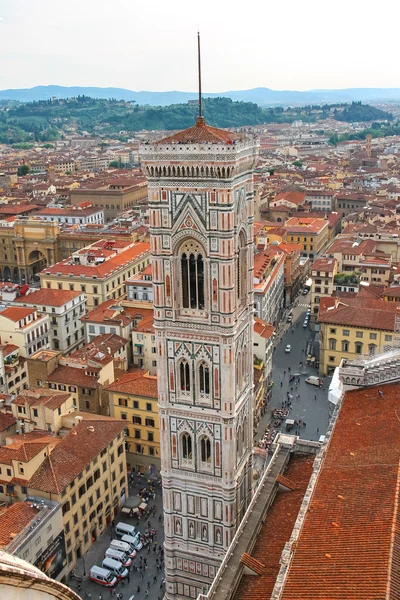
x=134, y=542
x=125, y=529
x=123, y=547
x=102, y=576
x=314, y=380
x=118, y=555
x=115, y=567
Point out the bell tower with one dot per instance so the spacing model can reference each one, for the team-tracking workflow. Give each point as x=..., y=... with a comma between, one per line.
x=201, y=205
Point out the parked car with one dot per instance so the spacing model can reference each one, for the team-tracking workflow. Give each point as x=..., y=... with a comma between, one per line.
x=288, y=348
x=102, y=576
x=305, y=324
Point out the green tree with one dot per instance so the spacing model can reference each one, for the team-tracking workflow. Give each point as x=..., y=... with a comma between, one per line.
x=23, y=170
x=115, y=164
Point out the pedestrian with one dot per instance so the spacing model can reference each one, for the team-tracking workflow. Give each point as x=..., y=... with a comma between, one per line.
x=160, y=518
x=142, y=575
x=284, y=373
x=148, y=524
x=141, y=559
x=100, y=596
x=148, y=584
x=148, y=549
x=111, y=591
x=315, y=396
x=146, y=593
x=79, y=586
x=145, y=561
x=138, y=589
x=155, y=579
x=128, y=577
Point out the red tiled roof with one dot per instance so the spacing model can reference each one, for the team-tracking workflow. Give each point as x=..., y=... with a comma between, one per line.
x=6, y=420
x=358, y=312
x=48, y=297
x=275, y=533
x=348, y=547
x=14, y=519
x=324, y=264
x=136, y=382
x=15, y=313
x=201, y=133
x=264, y=329
x=73, y=376
x=71, y=455
x=100, y=270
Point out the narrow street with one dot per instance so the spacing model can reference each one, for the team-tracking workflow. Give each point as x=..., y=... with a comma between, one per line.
x=312, y=406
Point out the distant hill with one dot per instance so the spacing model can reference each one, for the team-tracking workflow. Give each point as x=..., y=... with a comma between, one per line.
x=261, y=96
x=361, y=112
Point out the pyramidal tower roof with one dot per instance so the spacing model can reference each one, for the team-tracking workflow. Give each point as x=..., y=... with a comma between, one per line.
x=201, y=133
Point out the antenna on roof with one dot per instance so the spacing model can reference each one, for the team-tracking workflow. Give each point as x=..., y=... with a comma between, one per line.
x=199, y=69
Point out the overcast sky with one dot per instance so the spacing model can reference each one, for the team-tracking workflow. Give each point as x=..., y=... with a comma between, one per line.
x=151, y=45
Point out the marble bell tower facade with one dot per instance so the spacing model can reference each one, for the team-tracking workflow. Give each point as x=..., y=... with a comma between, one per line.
x=200, y=184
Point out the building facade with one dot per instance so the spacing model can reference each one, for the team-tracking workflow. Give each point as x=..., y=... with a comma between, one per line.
x=201, y=201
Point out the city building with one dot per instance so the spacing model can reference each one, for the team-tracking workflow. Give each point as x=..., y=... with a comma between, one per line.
x=42, y=408
x=85, y=472
x=8, y=423
x=354, y=326
x=323, y=276
x=15, y=369
x=201, y=202
x=321, y=200
x=27, y=246
x=140, y=286
x=269, y=279
x=33, y=530
x=64, y=308
x=76, y=215
x=17, y=576
x=263, y=338
x=133, y=398
x=144, y=344
x=99, y=271
x=311, y=233
x=292, y=272
x=112, y=198
x=25, y=328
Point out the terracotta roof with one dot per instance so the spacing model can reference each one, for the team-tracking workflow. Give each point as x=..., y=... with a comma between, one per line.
x=14, y=519
x=103, y=269
x=264, y=329
x=21, y=450
x=201, y=133
x=275, y=533
x=36, y=397
x=252, y=563
x=291, y=196
x=137, y=383
x=74, y=452
x=349, y=542
x=324, y=264
x=358, y=312
x=15, y=313
x=6, y=420
x=48, y=297
x=73, y=376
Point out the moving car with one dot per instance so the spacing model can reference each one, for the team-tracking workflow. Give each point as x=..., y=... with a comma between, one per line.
x=288, y=348
x=313, y=380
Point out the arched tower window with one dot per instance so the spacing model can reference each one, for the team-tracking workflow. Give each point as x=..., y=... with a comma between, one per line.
x=204, y=379
x=192, y=274
x=241, y=269
x=184, y=376
x=205, y=450
x=187, y=450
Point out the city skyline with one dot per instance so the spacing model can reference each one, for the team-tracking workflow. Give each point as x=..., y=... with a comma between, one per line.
x=291, y=47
